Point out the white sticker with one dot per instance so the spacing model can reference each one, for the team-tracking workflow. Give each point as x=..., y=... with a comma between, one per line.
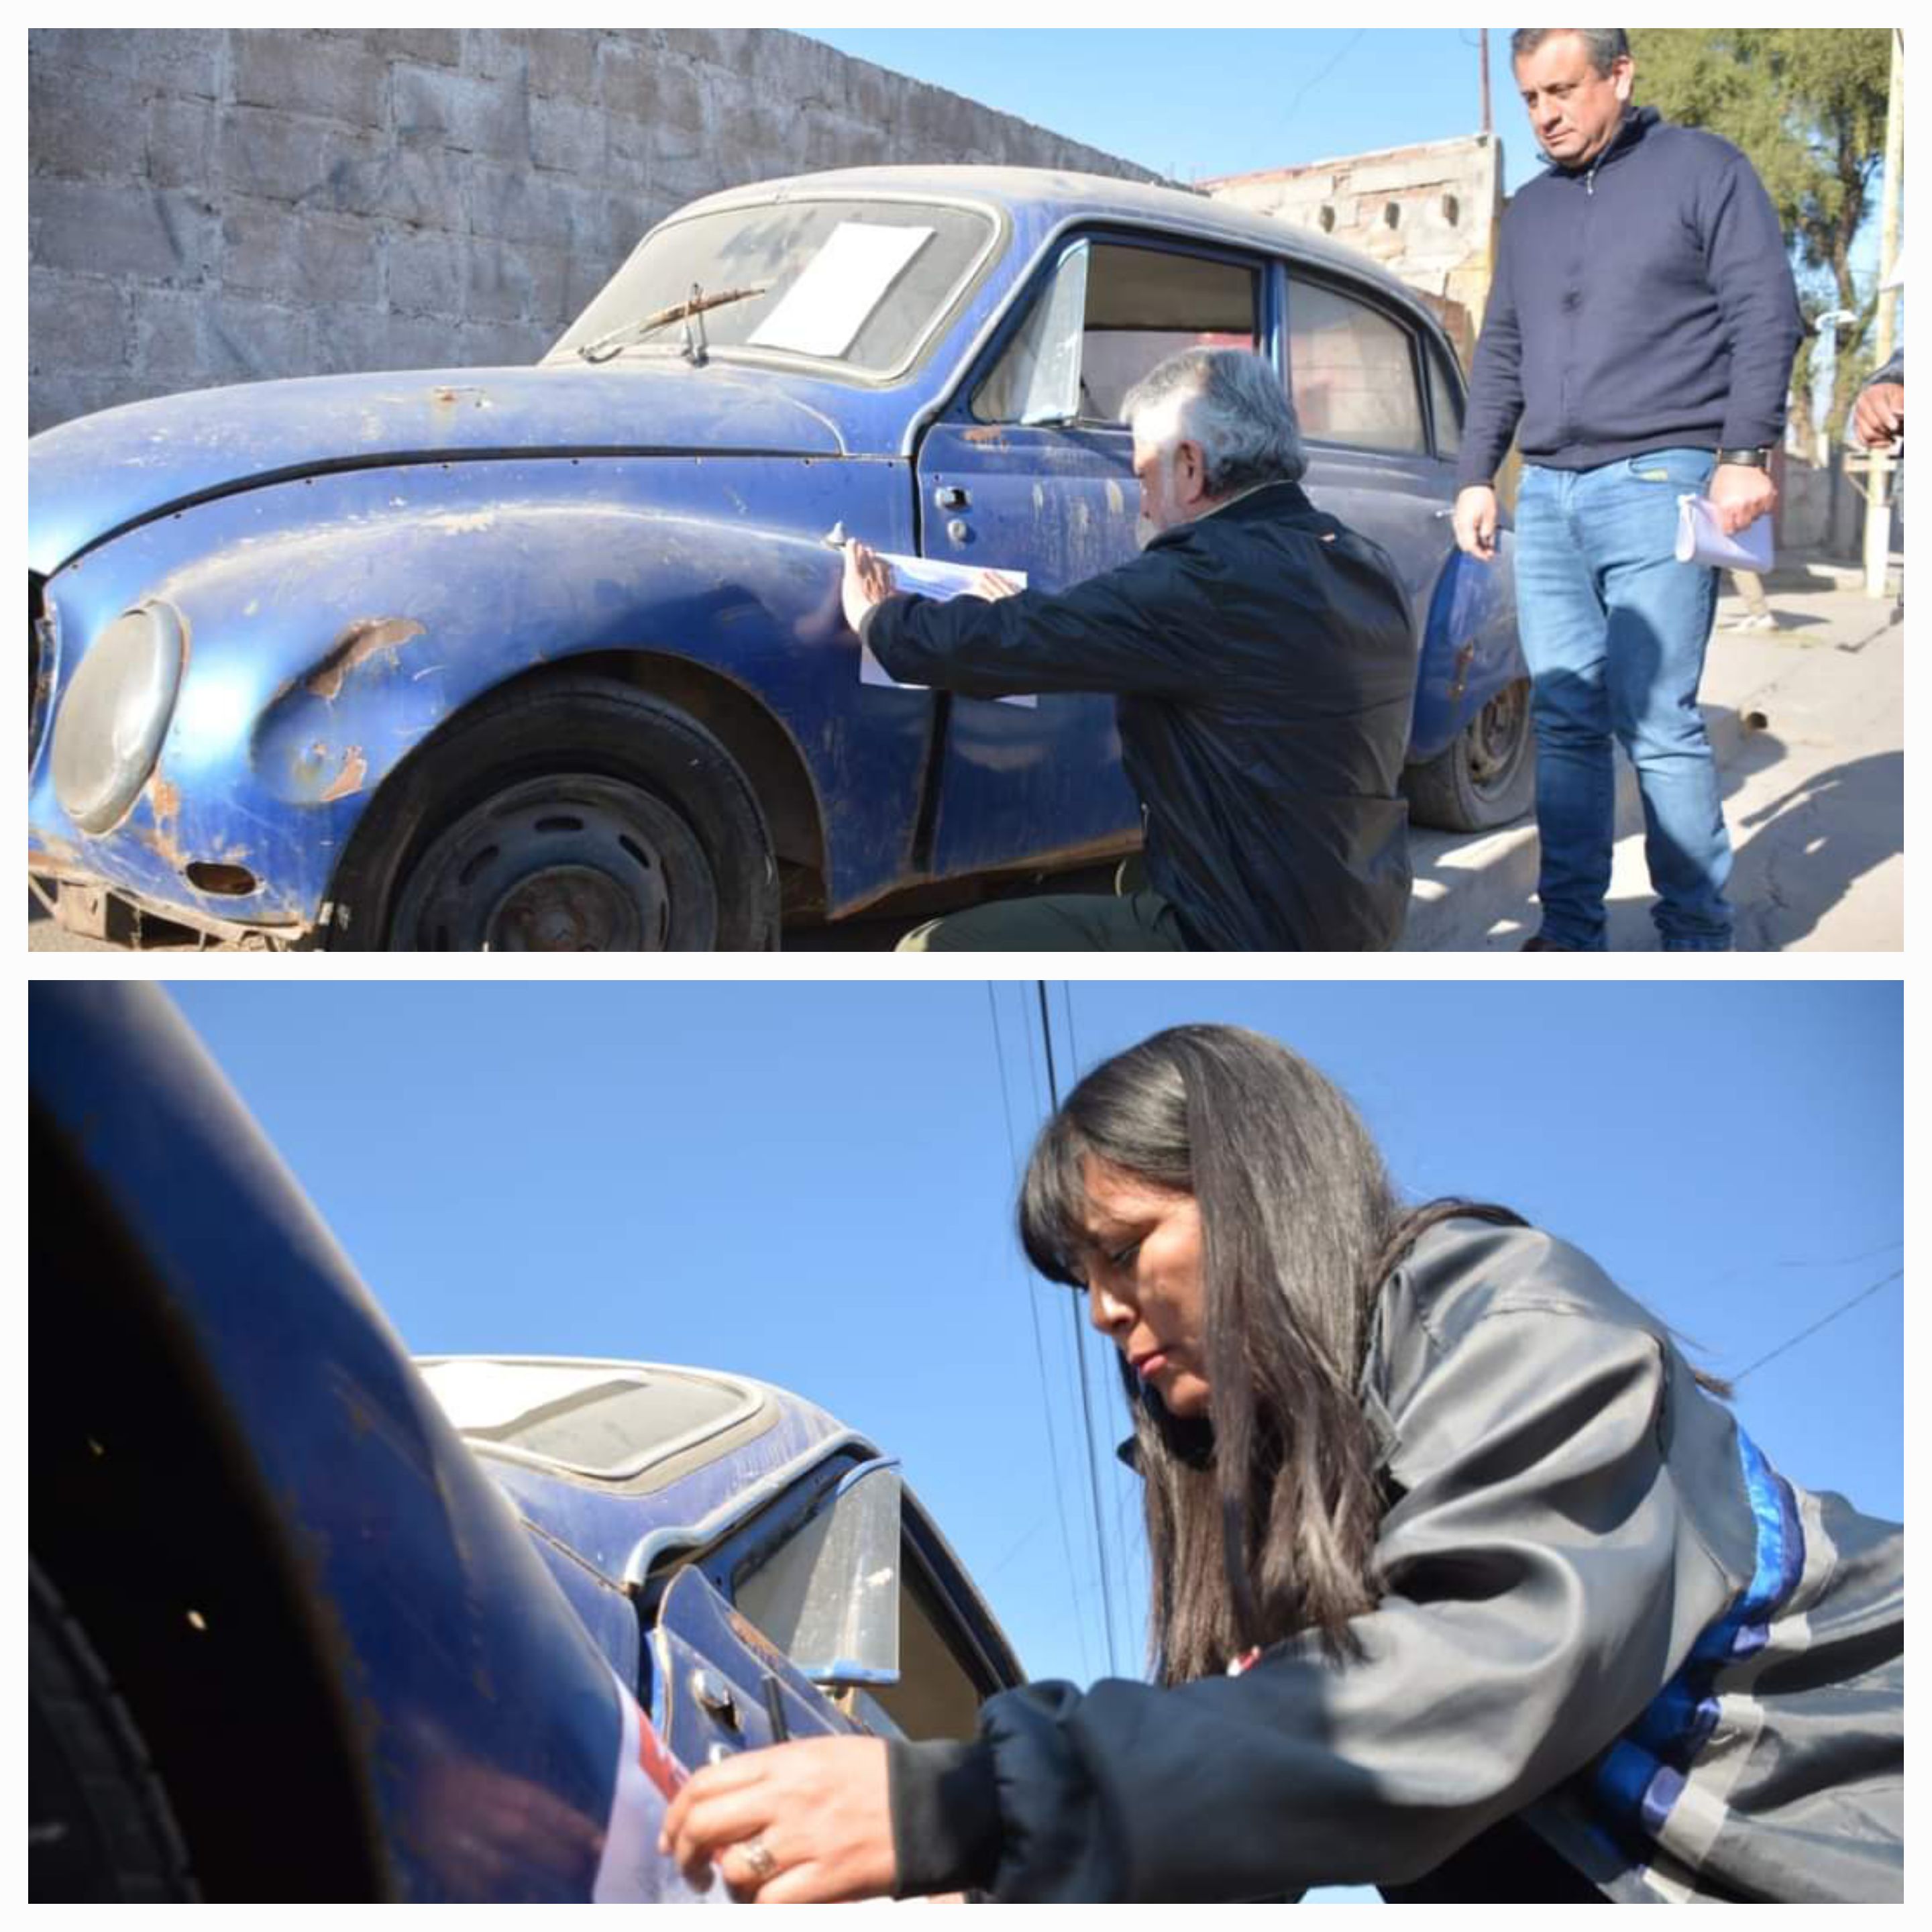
x=931, y=577
x=839, y=288
x=631, y=1869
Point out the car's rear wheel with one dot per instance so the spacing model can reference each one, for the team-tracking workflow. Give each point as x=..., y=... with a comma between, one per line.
x=1487, y=777
x=573, y=815
x=99, y=1826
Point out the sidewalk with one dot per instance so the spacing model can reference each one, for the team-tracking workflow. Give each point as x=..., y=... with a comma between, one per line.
x=1808, y=724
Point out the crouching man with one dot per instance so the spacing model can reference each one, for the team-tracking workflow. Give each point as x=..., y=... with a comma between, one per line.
x=1261, y=660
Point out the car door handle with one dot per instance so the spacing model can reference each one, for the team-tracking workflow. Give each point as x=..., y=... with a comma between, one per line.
x=951, y=496
x=715, y=1696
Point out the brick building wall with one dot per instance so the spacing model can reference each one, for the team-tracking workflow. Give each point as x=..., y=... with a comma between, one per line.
x=212, y=206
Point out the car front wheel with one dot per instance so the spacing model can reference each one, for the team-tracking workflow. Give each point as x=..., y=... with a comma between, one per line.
x=574, y=815
x=1487, y=777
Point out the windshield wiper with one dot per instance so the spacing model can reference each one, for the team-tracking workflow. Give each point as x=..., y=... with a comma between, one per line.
x=606, y=345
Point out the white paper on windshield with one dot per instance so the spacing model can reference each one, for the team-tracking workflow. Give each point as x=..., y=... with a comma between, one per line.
x=839, y=288
x=927, y=577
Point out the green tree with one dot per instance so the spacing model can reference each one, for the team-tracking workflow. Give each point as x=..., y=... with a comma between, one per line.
x=1808, y=106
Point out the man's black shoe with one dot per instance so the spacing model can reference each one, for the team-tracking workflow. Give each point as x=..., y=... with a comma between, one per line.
x=1536, y=943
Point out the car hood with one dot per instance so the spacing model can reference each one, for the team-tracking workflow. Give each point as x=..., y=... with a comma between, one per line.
x=99, y=474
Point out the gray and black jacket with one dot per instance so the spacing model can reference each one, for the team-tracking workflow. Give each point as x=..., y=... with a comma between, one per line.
x=1262, y=661
x=1613, y=1631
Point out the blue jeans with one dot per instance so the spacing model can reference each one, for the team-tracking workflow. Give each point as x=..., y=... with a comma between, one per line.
x=1614, y=629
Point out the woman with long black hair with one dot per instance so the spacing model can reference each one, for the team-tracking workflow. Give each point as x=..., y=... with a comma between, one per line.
x=1466, y=1584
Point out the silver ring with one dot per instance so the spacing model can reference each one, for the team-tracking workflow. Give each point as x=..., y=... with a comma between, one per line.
x=757, y=1856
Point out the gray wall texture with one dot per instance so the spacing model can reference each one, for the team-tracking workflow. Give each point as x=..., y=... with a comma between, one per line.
x=210, y=206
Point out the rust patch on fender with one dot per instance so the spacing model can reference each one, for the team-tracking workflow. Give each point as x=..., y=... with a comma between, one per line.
x=991, y=434
x=164, y=801
x=362, y=640
x=349, y=781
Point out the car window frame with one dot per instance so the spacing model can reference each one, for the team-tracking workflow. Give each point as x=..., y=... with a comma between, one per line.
x=1269, y=337
x=1442, y=351
x=927, y=1566
x=1366, y=295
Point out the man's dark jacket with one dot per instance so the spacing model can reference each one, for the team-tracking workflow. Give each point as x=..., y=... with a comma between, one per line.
x=1643, y=302
x=1613, y=1638
x=1264, y=663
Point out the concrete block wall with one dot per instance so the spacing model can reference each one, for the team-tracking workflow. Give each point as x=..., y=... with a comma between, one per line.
x=214, y=206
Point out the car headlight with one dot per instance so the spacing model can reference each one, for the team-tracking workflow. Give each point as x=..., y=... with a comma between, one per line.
x=115, y=715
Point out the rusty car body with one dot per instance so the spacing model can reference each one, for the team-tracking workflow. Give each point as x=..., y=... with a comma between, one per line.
x=310, y=1620
x=552, y=658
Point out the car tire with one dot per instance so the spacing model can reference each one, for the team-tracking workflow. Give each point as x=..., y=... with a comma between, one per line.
x=1487, y=777
x=574, y=815
x=99, y=1826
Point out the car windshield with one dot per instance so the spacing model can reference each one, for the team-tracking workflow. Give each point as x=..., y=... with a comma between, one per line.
x=858, y=283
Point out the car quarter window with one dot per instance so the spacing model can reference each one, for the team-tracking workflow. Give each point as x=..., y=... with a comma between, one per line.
x=1141, y=304
x=833, y=1589
x=1445, y=393
x=1353, y=371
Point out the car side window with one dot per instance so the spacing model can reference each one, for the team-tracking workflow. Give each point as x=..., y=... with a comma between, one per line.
x=828, y=1594
x=1445, y=396
x=1137, y=305
x=1353, y=371
x=845, y=1598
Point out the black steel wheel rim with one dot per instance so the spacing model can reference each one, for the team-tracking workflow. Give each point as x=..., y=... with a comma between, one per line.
x=572, y=862
x=1499, y=738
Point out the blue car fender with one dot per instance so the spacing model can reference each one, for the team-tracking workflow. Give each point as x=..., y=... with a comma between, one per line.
x=493, y=1749
x=323, y=652
x=1470, y=650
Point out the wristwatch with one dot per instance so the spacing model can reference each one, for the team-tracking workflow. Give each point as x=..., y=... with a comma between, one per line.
x=1745, y=459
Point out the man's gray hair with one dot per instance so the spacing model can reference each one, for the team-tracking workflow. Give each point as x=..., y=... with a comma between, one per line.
x=1605, y=45
x=1232, y=402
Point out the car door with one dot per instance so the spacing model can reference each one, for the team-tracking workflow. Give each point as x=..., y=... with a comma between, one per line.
x=1031, y=468
x=1356, y=375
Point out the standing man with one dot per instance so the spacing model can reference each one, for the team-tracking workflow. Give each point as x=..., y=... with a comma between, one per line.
x=1638, y=343
x=1263, y=664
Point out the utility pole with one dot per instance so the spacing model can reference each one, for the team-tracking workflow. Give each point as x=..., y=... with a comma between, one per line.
x=1483, y=41
x=1878, y=477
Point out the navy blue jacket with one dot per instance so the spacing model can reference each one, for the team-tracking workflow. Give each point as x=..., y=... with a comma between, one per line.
x=1262, y=662
x=1643, y=302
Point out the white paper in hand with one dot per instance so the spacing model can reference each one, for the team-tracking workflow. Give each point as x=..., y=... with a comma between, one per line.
x=1701, y=539
x=929, y=576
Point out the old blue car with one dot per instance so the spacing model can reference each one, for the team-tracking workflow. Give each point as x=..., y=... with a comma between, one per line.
x=310, y=1620
x=552, y=658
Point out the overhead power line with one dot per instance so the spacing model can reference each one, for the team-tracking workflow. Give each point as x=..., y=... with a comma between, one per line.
x=1844, y=1307
x=1086, y=1395
x=1039, y=1344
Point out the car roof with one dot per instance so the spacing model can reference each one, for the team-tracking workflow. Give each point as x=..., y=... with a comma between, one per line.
x=619, y=1421
x=1098, y=197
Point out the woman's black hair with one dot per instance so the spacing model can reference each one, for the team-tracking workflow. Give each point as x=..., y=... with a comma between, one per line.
x=1261, y=1522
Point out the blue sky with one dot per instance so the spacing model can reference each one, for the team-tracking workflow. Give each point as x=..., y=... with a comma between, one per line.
x=1189, y=103
x=811, y=1182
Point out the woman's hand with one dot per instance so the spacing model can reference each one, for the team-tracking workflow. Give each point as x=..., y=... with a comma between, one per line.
x=868, y=580
x=792, y=1825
